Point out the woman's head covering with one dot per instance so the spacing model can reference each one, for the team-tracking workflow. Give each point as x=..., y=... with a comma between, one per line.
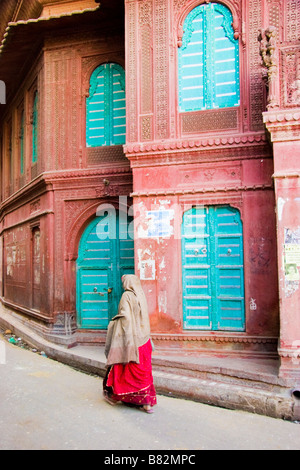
x=132, y=283
x=130, y=328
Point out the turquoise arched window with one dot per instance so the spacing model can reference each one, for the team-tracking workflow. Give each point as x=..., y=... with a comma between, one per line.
x=208, y=60
x=106, y=107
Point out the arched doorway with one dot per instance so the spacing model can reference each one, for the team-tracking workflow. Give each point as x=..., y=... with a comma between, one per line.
x=213, y=269
x=106, y=252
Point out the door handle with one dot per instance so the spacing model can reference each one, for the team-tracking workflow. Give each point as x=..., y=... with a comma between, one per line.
x=96, y=291
x=109, y=290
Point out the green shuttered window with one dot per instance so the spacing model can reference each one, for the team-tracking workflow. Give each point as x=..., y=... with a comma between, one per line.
x=106, y=107
x=208, y=60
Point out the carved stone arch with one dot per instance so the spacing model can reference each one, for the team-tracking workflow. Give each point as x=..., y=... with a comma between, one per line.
x=234, y=7
x=76, y=230
x=89, y=65
x=83, y=219
x=235, y=201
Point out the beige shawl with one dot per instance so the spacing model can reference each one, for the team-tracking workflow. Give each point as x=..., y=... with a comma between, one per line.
x=130, y=328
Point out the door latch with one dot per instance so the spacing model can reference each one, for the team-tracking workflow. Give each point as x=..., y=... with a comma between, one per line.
x=96, y=291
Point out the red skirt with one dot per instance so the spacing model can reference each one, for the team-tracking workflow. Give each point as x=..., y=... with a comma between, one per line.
x=132, y=382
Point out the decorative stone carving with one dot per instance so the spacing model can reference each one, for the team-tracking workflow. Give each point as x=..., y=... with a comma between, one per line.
x=268, y=52
x=290, y=76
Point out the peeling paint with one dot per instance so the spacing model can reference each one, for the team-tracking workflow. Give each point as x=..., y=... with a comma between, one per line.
x=142, y=231
x=163, y=203
x=280, y=205
x=147, y=271
x=142, y=255
x=162, y=264
x=162, y=302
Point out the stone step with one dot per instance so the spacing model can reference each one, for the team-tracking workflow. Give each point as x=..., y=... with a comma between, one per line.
x=242, y=396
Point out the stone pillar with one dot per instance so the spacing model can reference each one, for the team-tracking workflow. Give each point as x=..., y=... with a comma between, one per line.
x=284, y=127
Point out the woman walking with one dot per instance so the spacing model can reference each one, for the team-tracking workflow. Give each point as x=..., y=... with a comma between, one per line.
x=128, y=350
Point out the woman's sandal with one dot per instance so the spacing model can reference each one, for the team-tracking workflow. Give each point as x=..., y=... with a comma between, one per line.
x=147, y=409
x=108, y=399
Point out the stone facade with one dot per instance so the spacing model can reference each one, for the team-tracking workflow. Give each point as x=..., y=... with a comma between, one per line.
x=243, y=157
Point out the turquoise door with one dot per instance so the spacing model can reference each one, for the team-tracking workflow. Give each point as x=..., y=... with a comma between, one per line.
x=213, y=270
x=106, y=252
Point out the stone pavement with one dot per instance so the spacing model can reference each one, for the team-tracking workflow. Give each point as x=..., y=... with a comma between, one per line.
x=230, y=382
x=47, y=405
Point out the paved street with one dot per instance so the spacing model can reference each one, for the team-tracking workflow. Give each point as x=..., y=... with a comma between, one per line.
x=48, y=405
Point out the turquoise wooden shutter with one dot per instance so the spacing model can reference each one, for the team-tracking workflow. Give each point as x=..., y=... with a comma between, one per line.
x=95, y=120
x=212, y=269
x=197, y=295
x=191, y=63
x=208, y=60
x=118, y=105
x=226, y=59
x=228, y=261
x=106, y=107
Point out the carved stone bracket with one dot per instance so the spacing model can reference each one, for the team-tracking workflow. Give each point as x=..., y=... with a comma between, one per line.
x=269, y=54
